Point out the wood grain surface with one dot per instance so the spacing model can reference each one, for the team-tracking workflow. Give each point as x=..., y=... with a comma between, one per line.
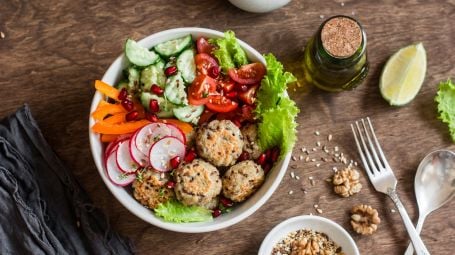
x=53, y=50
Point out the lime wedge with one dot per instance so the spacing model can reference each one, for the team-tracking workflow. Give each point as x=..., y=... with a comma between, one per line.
x=403, y=75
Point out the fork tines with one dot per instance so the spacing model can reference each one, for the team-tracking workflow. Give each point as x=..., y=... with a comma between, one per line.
x=369, y=149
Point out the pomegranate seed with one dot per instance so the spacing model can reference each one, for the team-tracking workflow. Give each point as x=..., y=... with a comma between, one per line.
x=190, y=156
x=170, y=70
x=127, y=104
x=151, y=117
x=268, y=153
x=170, y=184
x=267, y=168
x=226, y=202
x=216, y=212
x=214, y=72
x=131, y=116
x=275, y=154
x=157, y=90
x=244, y=156
x=154, y=106
x=261, y=160
x=175, y=162
x=123, y=94
x=232, y=95
x=243, y=88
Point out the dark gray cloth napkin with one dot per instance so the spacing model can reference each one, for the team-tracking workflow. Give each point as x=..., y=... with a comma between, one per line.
x=43, y=209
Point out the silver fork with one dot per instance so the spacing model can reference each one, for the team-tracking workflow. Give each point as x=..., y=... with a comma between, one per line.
x=381, y=175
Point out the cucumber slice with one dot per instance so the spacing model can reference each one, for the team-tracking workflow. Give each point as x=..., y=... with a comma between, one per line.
x=133, y=78
x=139, y=55
x=122, y=84
x=175, y=90
x=189, y=113
x=166, y=107
x=186, y=65
x=153, y=74
x=173, y=47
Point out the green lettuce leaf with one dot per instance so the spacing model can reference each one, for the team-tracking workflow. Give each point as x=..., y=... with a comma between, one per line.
x=174, y=211
x=229, y=52
x=446, y=105
x=276, y=111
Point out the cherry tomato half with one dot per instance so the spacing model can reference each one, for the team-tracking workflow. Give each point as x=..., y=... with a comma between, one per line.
x=248, y=74
x=226, y=84
x=202, y=87
x=204, y=62
x=203, y=46
x=249, y=96
x=218, y=103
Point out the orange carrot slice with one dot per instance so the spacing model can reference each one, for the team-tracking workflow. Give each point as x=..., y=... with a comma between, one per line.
x=105, y=138
x=116, y=118
x=117, y=129
x=102, y=111
x=107, y=89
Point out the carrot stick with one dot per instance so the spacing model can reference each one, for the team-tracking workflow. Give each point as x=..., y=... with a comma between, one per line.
x=102, y=111
x=116, y=129
x=116, y=118
x=107, y=89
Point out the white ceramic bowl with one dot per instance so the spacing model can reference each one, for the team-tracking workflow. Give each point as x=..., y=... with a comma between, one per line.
x=243, y=210
x=334, y=231
x=259, y=6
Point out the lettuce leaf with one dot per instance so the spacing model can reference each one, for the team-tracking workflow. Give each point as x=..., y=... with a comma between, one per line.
x=174, y=211
x=446, y=105
x=276, y=111
x=229, y=52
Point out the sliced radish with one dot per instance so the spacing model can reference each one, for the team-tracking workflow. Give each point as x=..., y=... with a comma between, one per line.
x=149, y=134
x=115, y=175
x=163, y=151
x=177, y=132
x=137, y=156
x=124, y=161
x=114, y=145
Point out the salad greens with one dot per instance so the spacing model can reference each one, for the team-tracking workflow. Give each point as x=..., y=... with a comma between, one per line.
x=276, y=111
x=446, y=105
x=174, y=211
x=229, y=52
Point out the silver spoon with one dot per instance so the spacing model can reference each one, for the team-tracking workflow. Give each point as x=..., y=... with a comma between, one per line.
x=434, y=185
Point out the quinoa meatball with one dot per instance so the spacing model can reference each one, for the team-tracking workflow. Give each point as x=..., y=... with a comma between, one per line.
x=250, y=140
x=220, y=142
x=150, y=190
x=197, y=183
x=242, y=180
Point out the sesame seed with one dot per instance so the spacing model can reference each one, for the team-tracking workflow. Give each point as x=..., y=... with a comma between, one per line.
x=324, y=159
x=315, y=206
x=355, y=163
x=319, y=210
x=2, y=35
x=297, y=177
x=291, y=192
x=342, y=4
x=303, y=149
x=318, y=165
x=392, y=210
x=328, y=180
x=294, y=158
x=312, y=182
x=292, y=175
x=353, y=13
x=314, y=149
x=307, y=159
x=321, y=16
x=310, y=178
x=337, y=155
x=334, y=168
x=329, y=138
x=301, y=157
x=318, y=143
x=307, y=152
x=336, y=148
x=313, y=160
x=316, y=133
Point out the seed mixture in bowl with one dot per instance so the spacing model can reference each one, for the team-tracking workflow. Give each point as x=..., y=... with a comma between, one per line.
x=306, y=242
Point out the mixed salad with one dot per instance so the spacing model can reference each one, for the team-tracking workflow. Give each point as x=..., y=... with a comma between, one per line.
x=194, y=126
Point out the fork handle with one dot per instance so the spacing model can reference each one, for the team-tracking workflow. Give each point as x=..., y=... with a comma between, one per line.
x=419, y=226
x=416, y=241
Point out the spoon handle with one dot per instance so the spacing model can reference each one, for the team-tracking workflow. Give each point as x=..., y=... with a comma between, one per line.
x=410, y=249
x=415, y=238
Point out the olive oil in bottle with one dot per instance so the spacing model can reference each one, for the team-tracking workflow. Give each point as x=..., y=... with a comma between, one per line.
x=335, y=58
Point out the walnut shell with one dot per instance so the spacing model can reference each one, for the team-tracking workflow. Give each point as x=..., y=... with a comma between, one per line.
x=364, y=219
x=346, y=182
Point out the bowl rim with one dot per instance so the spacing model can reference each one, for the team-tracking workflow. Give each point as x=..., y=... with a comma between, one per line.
x=155, y=220
x=272, y=233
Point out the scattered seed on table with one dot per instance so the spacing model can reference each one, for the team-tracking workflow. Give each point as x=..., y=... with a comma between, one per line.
x=321, y=16
x=329, y=138
x=291, y=192
x=303, y=149
x=392, y=210
x=342, y=4
x=318, y=143
x=328, y=180
x=297, y=177
x=314, y=149
x=310, y=178
x=336, y=148
x=301, y=157
x=313, y=160
x=318, y=165
x=312, y=182
x=307, y=152
x=292, y=175
x=319, y=210
x=355, y=163
x=335, y=169
x=315, y=206
x=316, y=133
x=294, y=158
x=324, y=159
x=307, y=159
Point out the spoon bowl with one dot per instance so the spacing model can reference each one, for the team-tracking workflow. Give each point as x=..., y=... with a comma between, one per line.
x=434, y=185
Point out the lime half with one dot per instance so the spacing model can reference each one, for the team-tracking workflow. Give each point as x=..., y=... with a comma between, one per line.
x=403, y=75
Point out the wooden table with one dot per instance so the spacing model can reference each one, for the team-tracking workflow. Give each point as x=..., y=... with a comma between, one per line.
x=53, y=50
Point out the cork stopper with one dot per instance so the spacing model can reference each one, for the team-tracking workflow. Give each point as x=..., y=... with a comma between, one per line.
x=341, y=37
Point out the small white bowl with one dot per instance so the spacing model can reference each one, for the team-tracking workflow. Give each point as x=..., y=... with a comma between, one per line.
x=125, y=197
x=259, y=6
x=334, y=231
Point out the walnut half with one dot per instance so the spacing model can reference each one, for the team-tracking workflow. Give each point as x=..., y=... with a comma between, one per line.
x=346, y=182
x=364, y=219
